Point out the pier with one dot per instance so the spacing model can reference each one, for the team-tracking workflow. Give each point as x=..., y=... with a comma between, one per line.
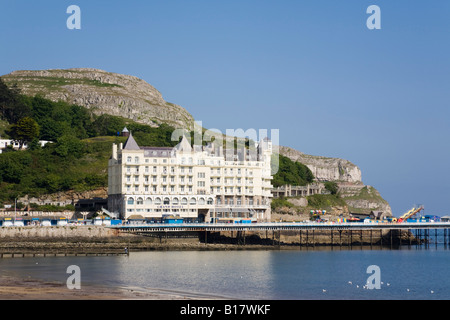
x=422, y=231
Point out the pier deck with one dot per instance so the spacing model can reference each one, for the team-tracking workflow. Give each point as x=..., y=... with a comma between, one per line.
x=277, y=226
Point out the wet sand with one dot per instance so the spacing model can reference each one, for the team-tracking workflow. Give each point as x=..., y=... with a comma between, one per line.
x=14, y=288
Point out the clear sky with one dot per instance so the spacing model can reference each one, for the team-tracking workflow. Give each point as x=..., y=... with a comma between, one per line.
x=312, y=69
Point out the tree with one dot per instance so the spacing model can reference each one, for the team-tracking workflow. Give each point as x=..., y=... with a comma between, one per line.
x=12, y=104
x=332, y=187
x=24, y=131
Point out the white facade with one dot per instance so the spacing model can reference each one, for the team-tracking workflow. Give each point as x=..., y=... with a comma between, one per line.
x=193, y=183
x=6, y=142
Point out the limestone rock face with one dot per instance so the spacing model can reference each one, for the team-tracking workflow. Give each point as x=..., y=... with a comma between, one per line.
x=359, y=197
x=103, y=92
x=323, y=168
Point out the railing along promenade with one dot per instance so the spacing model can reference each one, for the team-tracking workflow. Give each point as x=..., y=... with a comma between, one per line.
x=278, y=226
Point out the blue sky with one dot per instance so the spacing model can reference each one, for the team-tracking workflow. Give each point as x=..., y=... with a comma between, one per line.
x=312, y=69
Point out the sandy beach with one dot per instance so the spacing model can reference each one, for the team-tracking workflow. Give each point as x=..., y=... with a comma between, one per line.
x=13, y=288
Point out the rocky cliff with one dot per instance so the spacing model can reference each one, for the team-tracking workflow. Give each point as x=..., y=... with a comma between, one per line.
x=103, y=92
x=360, y=198
x=323, y=168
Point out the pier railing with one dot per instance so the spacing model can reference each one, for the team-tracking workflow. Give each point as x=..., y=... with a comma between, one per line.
x=278, y=226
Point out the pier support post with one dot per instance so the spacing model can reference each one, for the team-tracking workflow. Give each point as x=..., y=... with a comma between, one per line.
x=435, y=237
x=300, y=238
x=331, y=233
x=371, y=239
x=314, y=239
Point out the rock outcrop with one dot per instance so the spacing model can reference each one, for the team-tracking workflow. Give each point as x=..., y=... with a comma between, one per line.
x=359, y=197
x=103, y=92
x=324, y=168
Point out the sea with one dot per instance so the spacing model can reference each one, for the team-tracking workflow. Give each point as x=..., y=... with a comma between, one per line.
x=320, y=273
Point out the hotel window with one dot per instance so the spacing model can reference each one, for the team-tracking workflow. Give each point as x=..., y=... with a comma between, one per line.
x=154, y=169
x=140, y=201
x=166, y=201
x=148, y=201
x=193, y=201
x=182, y=189
x=172, y=189
x=136, y=188
x=164, y=188
x=175, y=201
x=210, y=201
x=158, y=201
x=136, y=159
x=128, y=168
x=184, y=201
x=190, y=188
x=128, y=159
x=146, y=168
x=128, y=178
x=130, y=201
x=172, y=178
x=190, y=169
x=154, y=188
x=136, y=178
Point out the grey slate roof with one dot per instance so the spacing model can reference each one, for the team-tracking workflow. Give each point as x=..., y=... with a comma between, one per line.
x=131, y=144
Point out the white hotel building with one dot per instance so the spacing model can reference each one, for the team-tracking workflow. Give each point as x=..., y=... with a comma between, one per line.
x=200, y=183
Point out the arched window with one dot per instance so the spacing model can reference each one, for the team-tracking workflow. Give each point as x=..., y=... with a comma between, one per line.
x=201, y=201
x=175, y=201
x=158, y=201
x=166, y=201
x=192, y=201
x=140, y=201
x=210, y=201
x=130, y=200
x=148, y=201
x=184, y=201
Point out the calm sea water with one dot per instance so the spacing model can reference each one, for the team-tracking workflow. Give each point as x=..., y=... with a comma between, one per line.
x=278, y=275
